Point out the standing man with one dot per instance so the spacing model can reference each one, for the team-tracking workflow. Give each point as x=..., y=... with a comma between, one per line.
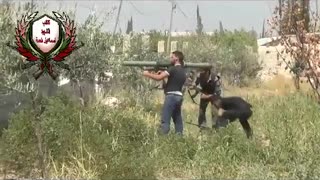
x=176, y=75
x=210, y=84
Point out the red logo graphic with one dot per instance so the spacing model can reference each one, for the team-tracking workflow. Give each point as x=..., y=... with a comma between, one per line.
x=45, y=41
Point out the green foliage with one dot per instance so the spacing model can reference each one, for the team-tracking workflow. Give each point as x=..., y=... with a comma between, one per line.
x=221, y=29
x=233, y=54
x=22, y=141
x=155, y=37
x=129, y=26
x=291, y=12
x=237, y=39
x=8, y=58
x=93, y=57
x=199, y=22
x=3, y=125
x=102, y=142
x=236, y=52
x=107, y=134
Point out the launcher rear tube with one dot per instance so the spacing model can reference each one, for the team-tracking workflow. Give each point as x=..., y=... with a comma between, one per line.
x=164, y=64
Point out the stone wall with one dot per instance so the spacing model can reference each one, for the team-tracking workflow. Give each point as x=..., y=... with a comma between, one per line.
x=272, y=63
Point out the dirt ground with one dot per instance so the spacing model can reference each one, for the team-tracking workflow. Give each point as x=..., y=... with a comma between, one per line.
x=278, y=85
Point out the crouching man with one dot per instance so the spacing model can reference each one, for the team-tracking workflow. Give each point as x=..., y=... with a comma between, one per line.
x=232, y=108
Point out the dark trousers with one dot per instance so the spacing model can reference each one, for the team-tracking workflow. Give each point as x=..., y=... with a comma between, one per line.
x=234, y=114
x=202, y=120
x=172, y=109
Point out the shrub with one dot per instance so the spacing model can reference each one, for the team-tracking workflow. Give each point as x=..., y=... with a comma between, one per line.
x=97, y=137
x=234, y=55
x=101, y=142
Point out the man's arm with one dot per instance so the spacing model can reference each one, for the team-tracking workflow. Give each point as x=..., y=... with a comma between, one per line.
x=158, y=77
x=206, y=96
x=215, y=84
x=197, y=82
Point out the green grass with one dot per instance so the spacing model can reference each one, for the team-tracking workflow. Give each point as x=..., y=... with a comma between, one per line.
x=122, y=143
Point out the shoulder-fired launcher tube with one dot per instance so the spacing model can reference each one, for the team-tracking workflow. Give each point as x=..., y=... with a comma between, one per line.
x=164, y=64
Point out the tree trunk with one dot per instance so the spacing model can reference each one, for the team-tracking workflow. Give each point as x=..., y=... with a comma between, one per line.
x=297, y=82
x=39, y=135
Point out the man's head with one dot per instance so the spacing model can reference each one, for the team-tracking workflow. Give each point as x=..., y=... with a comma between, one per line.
x=177, y=57
x=206, y=73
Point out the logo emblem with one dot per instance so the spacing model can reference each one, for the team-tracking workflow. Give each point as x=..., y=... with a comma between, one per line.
x=45, y=41
x=45, y=33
